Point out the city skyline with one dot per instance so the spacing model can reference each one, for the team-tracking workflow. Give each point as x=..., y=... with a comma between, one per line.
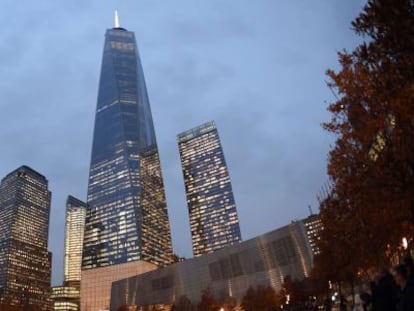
x=194, y=70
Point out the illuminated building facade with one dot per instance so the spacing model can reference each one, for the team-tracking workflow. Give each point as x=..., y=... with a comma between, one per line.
x=127, y=218
x=74, y=231
x=213, y=217
x=156, y=238
x=229, y=272
x=65, y=298
x=124, y=132
x=314, y=227
x=25, y=263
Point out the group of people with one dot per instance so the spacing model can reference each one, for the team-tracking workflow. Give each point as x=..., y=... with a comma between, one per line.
x=392, y=290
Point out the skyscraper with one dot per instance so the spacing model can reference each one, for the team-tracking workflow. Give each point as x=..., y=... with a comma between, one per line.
x=67, y=297
x=25, y=263
x=127, y=228
x=74, y=231
x=211, y=206
x=314, y=228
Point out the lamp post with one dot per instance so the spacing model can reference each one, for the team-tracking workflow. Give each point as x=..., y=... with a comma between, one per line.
x=404, y=243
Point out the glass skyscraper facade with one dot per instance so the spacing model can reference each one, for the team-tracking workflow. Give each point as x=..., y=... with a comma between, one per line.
x=25, y=263
x=74, y=231
x=67, y=297
x=126, y=189
x=213, y=217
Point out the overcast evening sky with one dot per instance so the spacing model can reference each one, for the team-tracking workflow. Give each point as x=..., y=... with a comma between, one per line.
x=256, y=67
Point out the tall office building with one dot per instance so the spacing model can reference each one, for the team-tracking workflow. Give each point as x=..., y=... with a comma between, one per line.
x=67, y=296
x=25, y=263
x=127, y=228
x=211, y=206
x=314, y=228
x=74, y=231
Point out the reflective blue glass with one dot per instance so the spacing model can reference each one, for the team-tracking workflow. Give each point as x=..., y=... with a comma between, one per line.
x=211, y=206
x=123, y=134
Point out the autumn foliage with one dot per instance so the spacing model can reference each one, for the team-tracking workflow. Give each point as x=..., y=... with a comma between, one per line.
x=371, y=165
x=261, y=298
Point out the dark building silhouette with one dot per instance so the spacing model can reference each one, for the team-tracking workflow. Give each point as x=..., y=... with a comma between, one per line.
x=314, y=228
x=25, y=263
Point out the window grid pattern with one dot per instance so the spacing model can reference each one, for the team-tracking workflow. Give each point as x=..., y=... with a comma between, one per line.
x=25, y=263
x=65, y=298
x=314, y=228
x=213, y=216
x=115, y=220
x=74, y=232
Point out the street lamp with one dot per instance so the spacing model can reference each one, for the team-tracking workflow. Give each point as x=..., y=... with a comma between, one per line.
x=405, y=243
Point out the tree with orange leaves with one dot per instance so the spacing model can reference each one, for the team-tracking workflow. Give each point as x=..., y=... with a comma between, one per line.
x=261, y=298
x=371, y=165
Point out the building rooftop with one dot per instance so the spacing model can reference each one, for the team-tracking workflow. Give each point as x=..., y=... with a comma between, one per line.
x=196, y=131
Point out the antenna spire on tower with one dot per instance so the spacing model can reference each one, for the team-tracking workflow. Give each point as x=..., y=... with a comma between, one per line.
x=117, y=23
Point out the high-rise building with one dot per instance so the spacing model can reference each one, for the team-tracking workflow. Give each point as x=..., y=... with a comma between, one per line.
x=25, y=263
x=211, y=206
x=127, y=228
x=67, y=296
x=314, y=228
x=74, y=231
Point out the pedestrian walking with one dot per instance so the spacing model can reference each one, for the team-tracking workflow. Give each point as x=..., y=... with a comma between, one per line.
x=327, y=304
x=366, y=300
x=409, y=264
x=406, y=296
x=383, y=291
